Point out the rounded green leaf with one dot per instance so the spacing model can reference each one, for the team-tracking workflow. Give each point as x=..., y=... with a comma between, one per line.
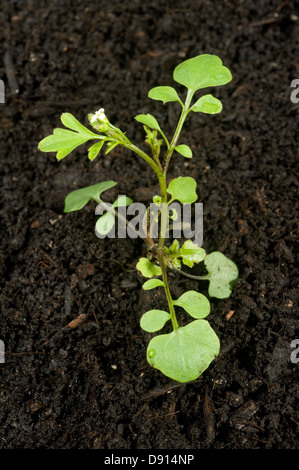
x=105, y=223
x=149, y=121
x=195, y=303
x=191, y=253
x=207, y=104
x=152, y=283
x=223, y=273
x=75, y=200
x=202, y=71
x=164, y=93
x=122, y=201
x=147, y=268
x=154, y=320
x=183, y=189
x=186, y=353
x=184, y=150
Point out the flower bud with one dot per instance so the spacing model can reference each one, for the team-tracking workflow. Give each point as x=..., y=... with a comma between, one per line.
x=99, y=120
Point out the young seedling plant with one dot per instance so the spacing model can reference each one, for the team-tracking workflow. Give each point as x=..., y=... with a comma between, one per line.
x=187, y=351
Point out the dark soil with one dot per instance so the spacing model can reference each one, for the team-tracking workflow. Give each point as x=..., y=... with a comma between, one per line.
x=91, y=386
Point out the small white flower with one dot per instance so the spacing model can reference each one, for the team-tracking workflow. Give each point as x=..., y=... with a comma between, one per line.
x=99, y=116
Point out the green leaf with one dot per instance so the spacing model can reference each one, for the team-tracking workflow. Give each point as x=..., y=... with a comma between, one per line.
x=223, y=273
x=149, y=121
x=191, y=253
x=147, y=268
x=157, y=200
x=68, y=120
x=122, y=201
x=207, y=104
x=184, y=150
x=164, y=93
x=196, y=304
x=183, y=189
x=186, y=353
x=152, y=283
x=77, y=199
x=105, y=223
x=202, y=71
x=154, y=320
x=175, y=248
x=63, y=141
x=94, y=150
x=173, y=252
x=176, y=263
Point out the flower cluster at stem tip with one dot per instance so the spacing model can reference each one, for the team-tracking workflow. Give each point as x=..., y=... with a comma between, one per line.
x=99, y=116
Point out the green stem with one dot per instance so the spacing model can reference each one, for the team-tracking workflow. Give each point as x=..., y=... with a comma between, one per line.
x=162, y=178
x=145, y=157
x=183, y=116
x=164, y=207
x=161, y=259
x=164, y=210
x=161, y=174
x=164, y=137
x=191, y=276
